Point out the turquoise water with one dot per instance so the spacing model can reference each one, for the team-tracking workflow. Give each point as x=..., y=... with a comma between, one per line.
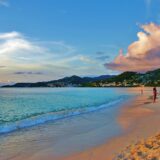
x=25, y=107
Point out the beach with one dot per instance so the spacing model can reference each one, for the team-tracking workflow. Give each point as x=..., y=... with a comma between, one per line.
x=140, y=120
x=80, y=80
x=90, y=136
x=57, y=122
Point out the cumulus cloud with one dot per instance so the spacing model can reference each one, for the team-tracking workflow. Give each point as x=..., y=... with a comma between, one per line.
x=142, y=55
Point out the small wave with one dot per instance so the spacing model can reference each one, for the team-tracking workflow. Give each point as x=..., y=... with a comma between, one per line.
x=10, y=127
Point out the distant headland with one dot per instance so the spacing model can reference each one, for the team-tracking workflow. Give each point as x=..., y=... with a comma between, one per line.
x=126, y=79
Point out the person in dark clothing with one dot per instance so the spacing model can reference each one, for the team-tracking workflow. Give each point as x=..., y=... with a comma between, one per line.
x=154, y=94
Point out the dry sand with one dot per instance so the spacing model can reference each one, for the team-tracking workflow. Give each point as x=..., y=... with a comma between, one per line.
x=148, y=149
x=140, y=119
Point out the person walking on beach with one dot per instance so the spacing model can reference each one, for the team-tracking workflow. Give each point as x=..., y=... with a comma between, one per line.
x=142, y=87
x=154, y=94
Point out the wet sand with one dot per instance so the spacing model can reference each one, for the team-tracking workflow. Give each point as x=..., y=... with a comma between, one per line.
x=139, y=118
x=66, y=136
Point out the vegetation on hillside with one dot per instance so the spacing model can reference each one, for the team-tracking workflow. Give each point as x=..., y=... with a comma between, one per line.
x=126, y=79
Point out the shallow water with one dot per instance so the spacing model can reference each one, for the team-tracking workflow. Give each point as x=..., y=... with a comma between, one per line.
x=72, y=119
x=25, y=107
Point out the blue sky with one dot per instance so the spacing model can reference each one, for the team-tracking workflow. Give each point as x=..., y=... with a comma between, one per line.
x=50, y=39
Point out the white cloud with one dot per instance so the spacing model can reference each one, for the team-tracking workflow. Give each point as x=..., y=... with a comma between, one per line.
x=16, y=43
x=143, y=54
x=19, y=53
x=10, y=35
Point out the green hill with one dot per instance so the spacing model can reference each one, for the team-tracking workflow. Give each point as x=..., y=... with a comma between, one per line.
x=126, y=79
x=130, y=79
x=73, y=81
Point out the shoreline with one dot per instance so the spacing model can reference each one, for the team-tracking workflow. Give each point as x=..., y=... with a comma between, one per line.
x=53, y=117
x=86, y=153
x=140, y=120
x=64, y=137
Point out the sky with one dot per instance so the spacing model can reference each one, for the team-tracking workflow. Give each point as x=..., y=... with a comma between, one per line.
x=44, y=40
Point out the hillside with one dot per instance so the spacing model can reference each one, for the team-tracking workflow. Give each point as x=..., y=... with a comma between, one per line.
x=130, y=79
x=73, y=81
x=126, y=79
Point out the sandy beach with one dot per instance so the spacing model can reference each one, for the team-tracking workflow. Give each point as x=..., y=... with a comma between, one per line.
x=80, y=80
x=74, y=132
x=139, y=118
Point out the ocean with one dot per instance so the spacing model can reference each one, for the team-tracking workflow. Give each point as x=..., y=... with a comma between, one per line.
x=48, y=117
x=25, y=107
